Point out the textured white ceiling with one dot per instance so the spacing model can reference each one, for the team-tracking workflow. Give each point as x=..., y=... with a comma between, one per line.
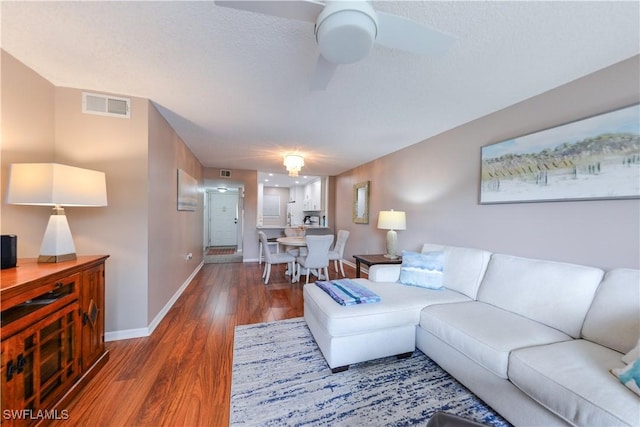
x=235, y=85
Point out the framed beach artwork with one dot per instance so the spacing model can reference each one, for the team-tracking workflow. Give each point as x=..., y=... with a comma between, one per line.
x=593, y=158
x=187, y=192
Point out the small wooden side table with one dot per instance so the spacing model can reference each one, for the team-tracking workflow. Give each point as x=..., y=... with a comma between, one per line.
x=370, y=260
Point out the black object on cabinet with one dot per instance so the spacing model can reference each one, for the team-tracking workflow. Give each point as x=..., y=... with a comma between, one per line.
x=9, y=250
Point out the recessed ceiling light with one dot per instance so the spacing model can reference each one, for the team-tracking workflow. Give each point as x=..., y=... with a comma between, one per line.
x=266, y=180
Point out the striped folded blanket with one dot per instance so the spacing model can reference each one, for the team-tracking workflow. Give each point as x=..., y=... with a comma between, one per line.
x=348, y=292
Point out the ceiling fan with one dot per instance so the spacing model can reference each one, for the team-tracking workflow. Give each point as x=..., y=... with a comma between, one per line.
x=346, y=31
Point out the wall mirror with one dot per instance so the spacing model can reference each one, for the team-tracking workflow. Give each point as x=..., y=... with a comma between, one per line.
x=361, y=203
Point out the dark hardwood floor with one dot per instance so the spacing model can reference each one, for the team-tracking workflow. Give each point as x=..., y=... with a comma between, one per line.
x=181, y=374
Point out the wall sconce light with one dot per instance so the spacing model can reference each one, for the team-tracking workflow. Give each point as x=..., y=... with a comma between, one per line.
x=222, y=190
x=293, y=163
x=53, y=184
x=392, y=221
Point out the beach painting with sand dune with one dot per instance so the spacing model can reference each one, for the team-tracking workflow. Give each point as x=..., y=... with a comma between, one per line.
x=594, y=158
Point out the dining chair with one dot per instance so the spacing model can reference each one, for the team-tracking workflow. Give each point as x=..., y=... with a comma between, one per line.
x=271, y=258
x=270, y=242
x=337, y=253
x=317, y=257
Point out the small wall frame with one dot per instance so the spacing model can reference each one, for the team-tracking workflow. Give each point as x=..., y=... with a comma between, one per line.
x=187, y=192
x=361, y=202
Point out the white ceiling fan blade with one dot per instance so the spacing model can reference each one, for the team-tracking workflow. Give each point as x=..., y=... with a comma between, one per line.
x=323, y=74
x=401, y=33
x=301, y=10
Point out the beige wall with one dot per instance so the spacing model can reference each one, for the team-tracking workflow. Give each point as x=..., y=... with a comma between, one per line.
x=27, y=136
x=118, y=147
x=437, y=182
x=140, y=228
x=172, y=234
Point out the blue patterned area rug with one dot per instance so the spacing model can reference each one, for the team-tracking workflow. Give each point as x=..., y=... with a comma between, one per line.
x=280, y=378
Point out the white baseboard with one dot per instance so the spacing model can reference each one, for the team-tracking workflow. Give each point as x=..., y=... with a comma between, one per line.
x=363, y=268
x=126, y=334
x=145, y=332
x=350, y=264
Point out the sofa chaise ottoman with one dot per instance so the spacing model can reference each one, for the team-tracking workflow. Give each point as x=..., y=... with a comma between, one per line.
x=357, y=333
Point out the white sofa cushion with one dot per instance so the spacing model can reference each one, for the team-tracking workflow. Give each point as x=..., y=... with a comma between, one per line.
x=632, y=354
x=384, y=273
x=484, y=333
x=463, y=269
x=556, y=294
x=614, y=317
x=400, y=305
x=572, y=379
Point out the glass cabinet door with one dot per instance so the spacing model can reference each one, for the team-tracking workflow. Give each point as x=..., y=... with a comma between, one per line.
x=38, y=364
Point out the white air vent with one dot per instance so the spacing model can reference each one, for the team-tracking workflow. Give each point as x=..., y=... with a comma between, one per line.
x=225, y=173
x=106, y=105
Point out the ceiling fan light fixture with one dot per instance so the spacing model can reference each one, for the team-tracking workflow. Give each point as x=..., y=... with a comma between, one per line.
x=293, y=163
x=346, y=36
x=347, y=30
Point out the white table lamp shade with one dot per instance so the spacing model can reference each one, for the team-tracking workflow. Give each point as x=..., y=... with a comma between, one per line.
x=392, y=221
x=53, y=184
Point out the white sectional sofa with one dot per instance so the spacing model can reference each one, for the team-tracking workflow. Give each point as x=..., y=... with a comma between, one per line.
x=534, y=339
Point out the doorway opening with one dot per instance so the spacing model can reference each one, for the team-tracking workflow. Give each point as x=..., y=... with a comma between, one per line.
x=223, y=224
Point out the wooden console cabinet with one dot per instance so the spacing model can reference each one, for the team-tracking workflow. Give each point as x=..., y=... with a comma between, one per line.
x=52, y=332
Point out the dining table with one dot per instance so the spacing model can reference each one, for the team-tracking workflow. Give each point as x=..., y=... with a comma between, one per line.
x=298, y=241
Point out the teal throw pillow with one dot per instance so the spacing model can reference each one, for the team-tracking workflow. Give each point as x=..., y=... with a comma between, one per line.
x=630, y=376
x=422, y=269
